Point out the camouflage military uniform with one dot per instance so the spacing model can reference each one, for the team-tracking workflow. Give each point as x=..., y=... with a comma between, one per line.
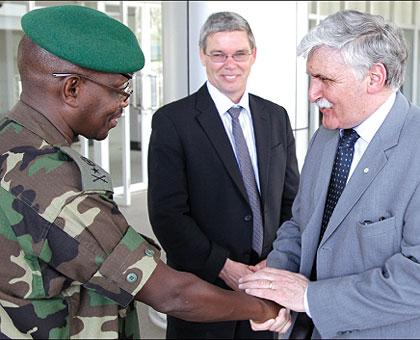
x=70, y=265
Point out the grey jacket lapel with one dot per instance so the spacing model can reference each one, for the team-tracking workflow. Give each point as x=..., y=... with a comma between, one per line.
x=310, y=237
x=372, y=162
x=327, y=161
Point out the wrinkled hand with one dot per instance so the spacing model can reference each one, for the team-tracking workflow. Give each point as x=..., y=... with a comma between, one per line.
x=280, y=324
x=284, y=287
x=232, y=271
x=258, y=266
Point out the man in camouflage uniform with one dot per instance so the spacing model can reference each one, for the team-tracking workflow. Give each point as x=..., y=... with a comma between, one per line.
x=70, y=265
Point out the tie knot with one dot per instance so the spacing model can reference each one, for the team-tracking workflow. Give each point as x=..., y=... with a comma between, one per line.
x=349, y=137
x=234, y=111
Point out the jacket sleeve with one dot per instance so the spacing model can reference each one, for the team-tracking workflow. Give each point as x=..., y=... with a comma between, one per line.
x=186, y=245
x=286, y=253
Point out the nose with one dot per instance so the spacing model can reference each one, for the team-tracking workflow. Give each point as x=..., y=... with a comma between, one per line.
x=315, y=90
x=229, y=62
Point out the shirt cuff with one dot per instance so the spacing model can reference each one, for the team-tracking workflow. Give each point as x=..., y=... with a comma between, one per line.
x=305, y=303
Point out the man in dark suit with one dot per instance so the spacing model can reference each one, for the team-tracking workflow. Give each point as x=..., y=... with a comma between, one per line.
x=221, y=180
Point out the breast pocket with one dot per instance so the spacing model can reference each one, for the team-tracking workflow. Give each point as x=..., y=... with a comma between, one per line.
x=377, y=241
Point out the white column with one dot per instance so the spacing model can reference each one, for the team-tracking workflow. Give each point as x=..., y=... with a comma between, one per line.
x=301, y=123
x=125, y=138
x=175, y=50
x=101, y=148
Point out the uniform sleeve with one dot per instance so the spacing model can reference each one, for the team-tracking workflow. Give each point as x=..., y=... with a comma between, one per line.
x=90, y=242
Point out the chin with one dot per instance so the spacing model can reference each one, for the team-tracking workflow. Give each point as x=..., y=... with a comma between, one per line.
x=101, y=137
x=330, y=125
x=96, y=136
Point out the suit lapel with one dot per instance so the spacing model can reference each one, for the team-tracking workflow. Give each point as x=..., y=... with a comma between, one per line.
x=327, y=161
x=210, y=121
x=311, y=236
x=372, y=162
x=374, y=159
x=262, y=133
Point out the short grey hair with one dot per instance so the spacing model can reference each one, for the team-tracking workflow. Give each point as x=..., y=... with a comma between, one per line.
x=363, y=40
x=224, y=22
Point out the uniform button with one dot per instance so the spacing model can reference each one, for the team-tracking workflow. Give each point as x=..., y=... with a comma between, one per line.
x=247, y=218
x=131, y=277
x=149, y=252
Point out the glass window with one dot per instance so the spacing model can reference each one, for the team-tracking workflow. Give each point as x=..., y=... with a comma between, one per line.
x=407, y=87
x=356, y=5
x=416, y=12
x=382, y=8
x=145, y=21
x=403, y=12
x=10, y=80
x=312, y=24
x=327, y=7
x=10, y=35
x=312, y=6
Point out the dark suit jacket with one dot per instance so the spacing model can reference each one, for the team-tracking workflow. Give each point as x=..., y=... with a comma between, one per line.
x=197, y=201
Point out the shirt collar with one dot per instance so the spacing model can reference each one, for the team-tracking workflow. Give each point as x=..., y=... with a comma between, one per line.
x=368, y=128
x=223, y=103
x=36, y=122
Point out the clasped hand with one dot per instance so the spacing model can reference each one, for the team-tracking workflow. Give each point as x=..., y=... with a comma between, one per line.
x=281, y=286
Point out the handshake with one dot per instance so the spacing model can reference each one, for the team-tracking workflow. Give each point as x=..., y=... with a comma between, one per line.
x=285, y=288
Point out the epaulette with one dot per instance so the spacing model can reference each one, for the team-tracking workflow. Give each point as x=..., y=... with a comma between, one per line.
x=94, y=178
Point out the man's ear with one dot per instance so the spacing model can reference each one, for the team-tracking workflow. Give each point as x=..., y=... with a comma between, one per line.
x=377, y=76
x=202, y=57
x=71, y=91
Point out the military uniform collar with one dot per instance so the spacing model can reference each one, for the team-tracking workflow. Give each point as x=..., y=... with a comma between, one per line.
x=36, y=122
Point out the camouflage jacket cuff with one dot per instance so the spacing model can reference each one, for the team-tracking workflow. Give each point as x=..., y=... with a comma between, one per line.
x=125, y=271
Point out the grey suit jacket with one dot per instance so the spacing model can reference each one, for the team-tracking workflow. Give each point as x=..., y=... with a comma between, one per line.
x=368, y=272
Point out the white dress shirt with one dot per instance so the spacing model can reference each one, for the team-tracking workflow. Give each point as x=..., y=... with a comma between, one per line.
x=366, y=130
x=223, y=104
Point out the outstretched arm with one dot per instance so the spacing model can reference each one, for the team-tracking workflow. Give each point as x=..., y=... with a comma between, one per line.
x=185, y=296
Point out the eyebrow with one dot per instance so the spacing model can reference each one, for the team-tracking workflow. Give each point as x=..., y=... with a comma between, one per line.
x=318, y=75
x=240, y=50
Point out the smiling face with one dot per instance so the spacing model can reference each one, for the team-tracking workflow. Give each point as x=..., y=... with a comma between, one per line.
x=102, y=107
x=334, y=81
x=229, y=77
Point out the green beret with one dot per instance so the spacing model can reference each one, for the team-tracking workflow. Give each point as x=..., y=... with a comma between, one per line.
x=84, y=37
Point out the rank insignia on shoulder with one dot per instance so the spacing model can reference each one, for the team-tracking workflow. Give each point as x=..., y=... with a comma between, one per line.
x=93, y=176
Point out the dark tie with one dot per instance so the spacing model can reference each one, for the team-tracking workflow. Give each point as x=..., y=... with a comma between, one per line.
x=340, y=172
x=248, y=177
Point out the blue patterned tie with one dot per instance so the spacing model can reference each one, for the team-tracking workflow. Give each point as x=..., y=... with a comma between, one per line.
x=340, y=172
x=248, y=177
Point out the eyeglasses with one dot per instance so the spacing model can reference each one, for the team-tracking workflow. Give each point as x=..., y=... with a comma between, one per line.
x=124, y=91
x=220, y=57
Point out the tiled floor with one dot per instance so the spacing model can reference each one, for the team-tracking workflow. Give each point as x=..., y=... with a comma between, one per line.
x=137, y=216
